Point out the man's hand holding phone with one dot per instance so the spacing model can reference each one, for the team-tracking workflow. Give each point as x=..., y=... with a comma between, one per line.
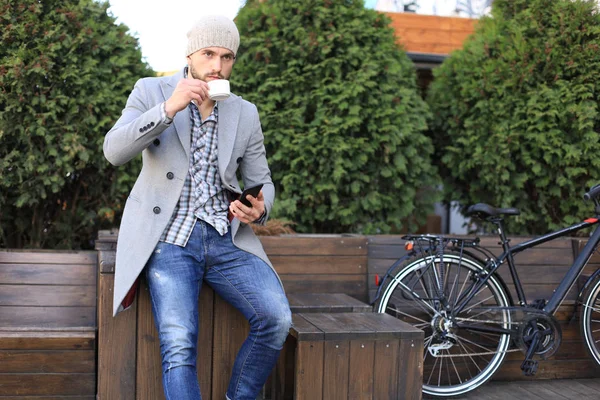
x=250, y=206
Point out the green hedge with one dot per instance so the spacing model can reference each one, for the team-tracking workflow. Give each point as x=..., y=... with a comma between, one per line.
x=343, y=119
x=516, y=117
x=65, y=73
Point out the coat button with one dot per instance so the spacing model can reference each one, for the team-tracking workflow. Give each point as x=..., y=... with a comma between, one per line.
x=170, y=175
x=141, y=129
x=151, y=124
x=156, y=210
x=156, y=142
x=239, y=160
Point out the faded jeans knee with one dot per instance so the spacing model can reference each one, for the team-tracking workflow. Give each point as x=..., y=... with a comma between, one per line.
x=272, y=329
x=178, y=349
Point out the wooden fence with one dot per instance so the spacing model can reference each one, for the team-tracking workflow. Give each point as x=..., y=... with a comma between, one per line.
x=306, y=263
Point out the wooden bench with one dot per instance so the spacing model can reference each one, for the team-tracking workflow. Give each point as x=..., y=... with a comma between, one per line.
x=352, y=356
x=47, y=324
x=128, y=349
x=326, y=303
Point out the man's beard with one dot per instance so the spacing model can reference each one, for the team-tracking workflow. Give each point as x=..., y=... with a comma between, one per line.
x=196, y=75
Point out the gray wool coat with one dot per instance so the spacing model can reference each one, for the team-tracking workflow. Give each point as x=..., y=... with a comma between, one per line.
x=165, y=153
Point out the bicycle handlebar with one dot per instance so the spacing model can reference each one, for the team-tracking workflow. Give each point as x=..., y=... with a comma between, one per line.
x=593, y=193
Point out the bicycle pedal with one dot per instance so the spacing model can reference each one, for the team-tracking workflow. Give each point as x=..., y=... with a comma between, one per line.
x=529, y=367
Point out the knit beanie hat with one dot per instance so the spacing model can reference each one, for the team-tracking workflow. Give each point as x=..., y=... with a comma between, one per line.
x=213, y=31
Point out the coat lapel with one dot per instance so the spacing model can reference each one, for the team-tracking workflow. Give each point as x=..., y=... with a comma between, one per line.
x=229, y=115
x=181, y=122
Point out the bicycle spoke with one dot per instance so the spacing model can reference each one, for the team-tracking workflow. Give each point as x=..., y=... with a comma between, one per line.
x=453, y=287
x=466, y=351
x=417, y=297
x=408, y=315
x=473, y=343
x=426, y=293
x=432, y=370
x=455, y=369
x=460, y=294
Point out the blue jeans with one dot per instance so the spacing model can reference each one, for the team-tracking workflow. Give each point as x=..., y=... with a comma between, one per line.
x=175, y=275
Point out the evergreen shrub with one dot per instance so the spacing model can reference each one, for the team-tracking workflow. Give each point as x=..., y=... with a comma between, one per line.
x=515, y=112
x=66, y=70
x=343, y=119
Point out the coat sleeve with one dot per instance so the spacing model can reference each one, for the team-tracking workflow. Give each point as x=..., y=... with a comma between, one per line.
x=254, y=167
x=140, y=123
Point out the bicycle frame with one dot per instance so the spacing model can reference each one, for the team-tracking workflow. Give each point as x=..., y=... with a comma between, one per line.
x=507, y=256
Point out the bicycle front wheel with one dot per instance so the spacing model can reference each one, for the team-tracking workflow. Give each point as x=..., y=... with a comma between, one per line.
x=461, y=352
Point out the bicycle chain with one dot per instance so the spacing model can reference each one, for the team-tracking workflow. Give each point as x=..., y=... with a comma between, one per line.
x=474, y=354
x=482, y=353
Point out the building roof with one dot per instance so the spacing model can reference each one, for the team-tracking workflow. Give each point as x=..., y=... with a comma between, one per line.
x=429, y=35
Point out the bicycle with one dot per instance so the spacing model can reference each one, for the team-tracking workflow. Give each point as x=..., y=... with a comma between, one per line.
x=449, y=287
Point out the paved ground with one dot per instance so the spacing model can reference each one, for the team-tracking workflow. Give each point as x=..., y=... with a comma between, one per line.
x=560, y=389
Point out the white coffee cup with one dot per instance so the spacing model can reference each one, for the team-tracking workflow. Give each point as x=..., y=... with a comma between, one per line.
x=218, y=89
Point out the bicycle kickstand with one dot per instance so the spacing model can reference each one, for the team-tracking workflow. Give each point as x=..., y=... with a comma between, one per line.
x=529, y=365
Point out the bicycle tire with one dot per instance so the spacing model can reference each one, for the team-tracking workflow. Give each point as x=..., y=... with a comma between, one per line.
x=589, y=317
x=415, y=284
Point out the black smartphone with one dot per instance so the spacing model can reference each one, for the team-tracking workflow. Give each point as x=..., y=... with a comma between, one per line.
x=253, y=191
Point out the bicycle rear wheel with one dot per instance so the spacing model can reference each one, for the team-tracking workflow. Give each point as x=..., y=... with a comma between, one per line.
x=590, y=319
x=425, y=293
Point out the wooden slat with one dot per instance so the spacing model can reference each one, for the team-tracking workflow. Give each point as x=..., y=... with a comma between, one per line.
x=316, y=245
x=304, y=330
x=48, y=274
x=116, y=346
x=48, y=361
x=47, y=295
x=148, y=361
x=549, y=369
x=47, y=257
x=90, y=397
x=366, y=326
x=325, y=303
x=568, y=350
x=362, y=360
x=17, y=318
x=230, y=331
x=353, y=285
x=528, y=274
x=206, y=340
x=579, y=244
x=336, y=362
x=532, y=256
x=387, y=358
x=47, y=340
x=48, y=384
x=107, y=258
x=410, y=369
x=309, y=264
x=309, y=371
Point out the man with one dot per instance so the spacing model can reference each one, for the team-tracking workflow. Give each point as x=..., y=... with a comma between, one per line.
x=175, y=225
